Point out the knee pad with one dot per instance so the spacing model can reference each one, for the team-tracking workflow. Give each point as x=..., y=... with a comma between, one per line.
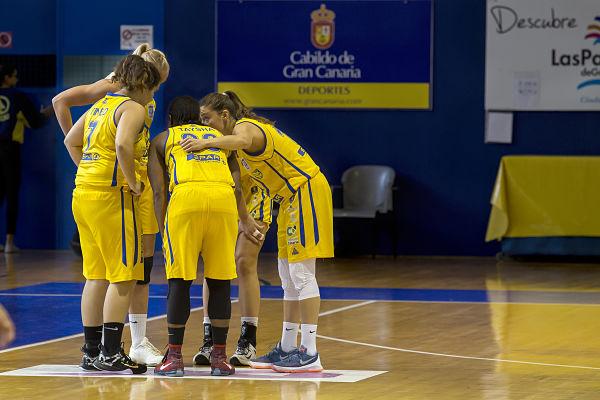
x=289, y=290
x=303, y=275
x=178, y=301
x=219, y=298
x=148, y=264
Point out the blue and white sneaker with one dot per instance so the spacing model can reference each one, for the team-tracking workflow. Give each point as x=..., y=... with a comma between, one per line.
x=299, y=361
x=275, y=355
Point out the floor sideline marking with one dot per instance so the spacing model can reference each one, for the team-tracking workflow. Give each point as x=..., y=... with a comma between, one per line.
x=337, y=310
x=523, y=303
x=454, y=355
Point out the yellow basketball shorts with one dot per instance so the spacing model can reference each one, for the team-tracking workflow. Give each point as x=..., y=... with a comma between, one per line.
x=259, y=205
x=147, y=215
x=305, y=222
x=201, y=219
x=110, y=233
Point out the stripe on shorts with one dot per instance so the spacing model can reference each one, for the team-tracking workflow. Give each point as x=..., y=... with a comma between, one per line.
x=312, y=205
x=302, y=237
x=135, y=251
x=123, y=238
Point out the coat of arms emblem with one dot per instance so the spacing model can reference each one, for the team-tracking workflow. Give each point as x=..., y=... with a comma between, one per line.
x=322, y=28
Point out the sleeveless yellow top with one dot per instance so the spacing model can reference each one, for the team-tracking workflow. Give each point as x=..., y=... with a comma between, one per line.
x=282, y=166
x=208, y=165
x=99, y=166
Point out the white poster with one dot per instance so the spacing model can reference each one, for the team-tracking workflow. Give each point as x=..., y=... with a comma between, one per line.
x=498, y=127
x=134, y=35
x=543, y=55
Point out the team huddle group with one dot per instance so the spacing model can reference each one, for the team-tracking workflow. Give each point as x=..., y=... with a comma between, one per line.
x=207, y=185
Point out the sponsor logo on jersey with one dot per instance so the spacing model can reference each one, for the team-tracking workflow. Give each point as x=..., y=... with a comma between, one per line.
x=151, y=111
x=245, y=164
x=204, y=157
x=90, y=157
x=257, y=174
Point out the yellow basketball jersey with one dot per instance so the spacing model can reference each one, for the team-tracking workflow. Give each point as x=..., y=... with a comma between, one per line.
x=209, y=165
x=99, y=166
x=144, y=143
x=282, y=167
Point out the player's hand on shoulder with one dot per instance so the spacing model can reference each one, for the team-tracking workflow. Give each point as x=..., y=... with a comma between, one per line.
x=190, y=144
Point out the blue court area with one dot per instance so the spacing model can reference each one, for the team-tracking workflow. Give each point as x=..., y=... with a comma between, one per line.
x=52, y=310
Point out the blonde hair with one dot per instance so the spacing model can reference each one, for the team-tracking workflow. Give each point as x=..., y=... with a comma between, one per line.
x=153, y=56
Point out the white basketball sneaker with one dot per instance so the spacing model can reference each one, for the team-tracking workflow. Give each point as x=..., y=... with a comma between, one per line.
x=244, y=352
x=145, y=353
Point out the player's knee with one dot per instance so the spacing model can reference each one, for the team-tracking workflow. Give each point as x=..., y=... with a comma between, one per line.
x=219, y=298
x=289, y=290
x=148, y=264
x=178, y=301
x=303, y=276
x=246, y=266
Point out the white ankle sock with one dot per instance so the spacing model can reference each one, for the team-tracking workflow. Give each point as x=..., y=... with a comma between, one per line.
x=137, y=326
x=309, y=338
x=289, y=336
x=250, y=320
x=207, y=320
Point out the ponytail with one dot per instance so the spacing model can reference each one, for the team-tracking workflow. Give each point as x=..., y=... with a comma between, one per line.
x=153, y=56
x=231, y=102
x=141, y=49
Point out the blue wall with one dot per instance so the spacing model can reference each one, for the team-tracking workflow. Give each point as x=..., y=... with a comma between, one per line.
x=33, y=26
x=445, y=171
x=96, y=33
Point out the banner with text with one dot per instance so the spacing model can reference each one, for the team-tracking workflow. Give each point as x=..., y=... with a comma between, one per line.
x=337, y=54
x=543, y=55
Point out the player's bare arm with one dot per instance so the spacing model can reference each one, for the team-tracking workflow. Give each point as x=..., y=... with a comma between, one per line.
x=130, y=123
x=245, y=136
x=250, y=227
x=74, y=140
x=79, y=96
x=157, y=174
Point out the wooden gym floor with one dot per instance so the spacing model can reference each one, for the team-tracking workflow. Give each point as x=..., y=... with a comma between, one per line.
x=430, y=328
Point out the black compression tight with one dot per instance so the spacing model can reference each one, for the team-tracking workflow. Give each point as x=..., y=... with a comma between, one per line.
x=178, y=301
x=219, y=300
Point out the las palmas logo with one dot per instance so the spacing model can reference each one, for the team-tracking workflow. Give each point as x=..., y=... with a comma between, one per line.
x=593, y=33
x=322, y=28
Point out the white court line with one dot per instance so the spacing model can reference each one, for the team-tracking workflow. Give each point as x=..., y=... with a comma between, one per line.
x=25, y=346
x=428, y=353
x=337, y=310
